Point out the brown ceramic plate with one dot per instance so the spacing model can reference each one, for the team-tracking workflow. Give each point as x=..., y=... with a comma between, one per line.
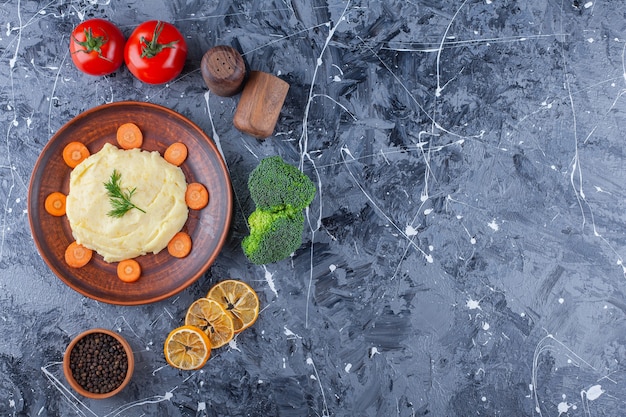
x=162, y=274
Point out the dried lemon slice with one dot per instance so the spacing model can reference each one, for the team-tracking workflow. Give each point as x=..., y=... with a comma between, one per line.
x=187, y=348
x=210, y=317
x=239, y=300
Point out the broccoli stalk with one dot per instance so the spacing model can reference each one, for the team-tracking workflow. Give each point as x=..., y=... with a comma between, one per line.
x=280, y=192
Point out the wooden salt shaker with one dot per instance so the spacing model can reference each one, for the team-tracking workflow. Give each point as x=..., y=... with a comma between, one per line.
x=261, y=100
x=223, y=70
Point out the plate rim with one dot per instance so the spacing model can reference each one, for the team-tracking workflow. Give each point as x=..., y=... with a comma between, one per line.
x=144, y=105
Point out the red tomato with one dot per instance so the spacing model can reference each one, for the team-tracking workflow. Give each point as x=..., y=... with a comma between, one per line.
x=155, y=52
x=97, y=47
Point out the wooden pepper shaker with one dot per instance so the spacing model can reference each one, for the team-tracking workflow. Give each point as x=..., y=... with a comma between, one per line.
x=223, y=70
x=261, y=100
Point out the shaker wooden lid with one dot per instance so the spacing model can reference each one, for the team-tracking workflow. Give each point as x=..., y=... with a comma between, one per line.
x=223, y=70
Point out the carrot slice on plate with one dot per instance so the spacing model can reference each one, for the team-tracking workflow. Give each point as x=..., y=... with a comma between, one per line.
x=77, y=255
x=55, y=204
x=74, y=153
x=129, y=136
x=128, y=270
x=196, y=196
x=176, y=153
x=180, y=245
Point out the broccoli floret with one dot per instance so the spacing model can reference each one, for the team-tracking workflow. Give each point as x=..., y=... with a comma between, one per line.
x=274, y=185
x=273, y=235
x=280, y=193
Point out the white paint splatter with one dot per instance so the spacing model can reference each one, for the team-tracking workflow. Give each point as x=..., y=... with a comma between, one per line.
x=473, y=304
x=494, y=225
x=561, y=300
x=347, y=151
x=374, y=351
x=233, y=345
x=289, y=333
x=269, y=277
x=410, y=230
x=157, y=370
x=593, y=393
x=486, y=326
x=590, y=40
x=563, y=407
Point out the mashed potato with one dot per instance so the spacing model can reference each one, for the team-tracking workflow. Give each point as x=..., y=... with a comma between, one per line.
x=160, y=192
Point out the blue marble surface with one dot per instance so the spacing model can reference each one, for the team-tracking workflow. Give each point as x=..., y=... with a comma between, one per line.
x=464, y=253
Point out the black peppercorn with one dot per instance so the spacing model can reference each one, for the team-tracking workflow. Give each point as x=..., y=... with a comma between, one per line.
x=98, y=363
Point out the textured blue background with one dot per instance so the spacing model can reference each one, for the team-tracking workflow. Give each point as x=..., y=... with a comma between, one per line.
x=463, y=256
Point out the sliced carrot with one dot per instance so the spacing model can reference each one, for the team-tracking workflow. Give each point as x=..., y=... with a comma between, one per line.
x=55, y=204
x=176, y=153
x=128, y=270
x=180, y=245
x=74, y=153
x=196, y=196
x=129, y=136
x=77, y=255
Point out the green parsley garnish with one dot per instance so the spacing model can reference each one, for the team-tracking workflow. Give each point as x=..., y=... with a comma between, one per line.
x=120, y=200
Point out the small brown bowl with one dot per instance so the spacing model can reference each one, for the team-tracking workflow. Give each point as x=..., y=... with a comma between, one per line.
x=67, y=370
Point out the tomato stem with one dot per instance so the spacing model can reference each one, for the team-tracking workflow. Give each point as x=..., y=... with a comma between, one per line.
x=152, y=48
x=93, y=43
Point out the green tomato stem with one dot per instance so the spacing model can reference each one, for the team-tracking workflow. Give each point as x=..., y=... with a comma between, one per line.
x=152, y=48
x=92, y=43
